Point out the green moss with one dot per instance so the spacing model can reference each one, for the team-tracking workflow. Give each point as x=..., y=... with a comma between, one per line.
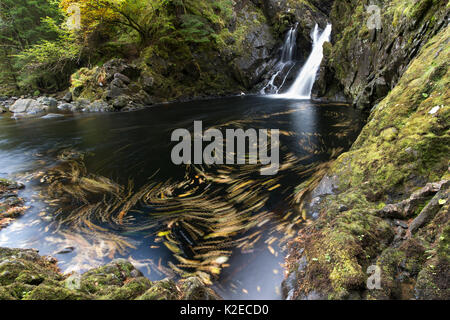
x=419, y=9
x=25, y=275
x=401, y=144
x=103, y=280
x=131, y=290
x=162, y=290
x=5, y=294
x=45, y=292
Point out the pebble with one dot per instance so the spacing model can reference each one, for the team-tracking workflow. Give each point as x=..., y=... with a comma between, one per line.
x=401, y=224
x=434, y=110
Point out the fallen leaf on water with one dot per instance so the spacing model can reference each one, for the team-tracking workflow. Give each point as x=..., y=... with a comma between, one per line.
x=171, y=247
x=275, y=187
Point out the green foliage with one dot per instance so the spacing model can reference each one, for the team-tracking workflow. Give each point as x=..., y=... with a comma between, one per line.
x=21, y=22
x=22, y=25
x=39, y=52
x=47, y=60
x=194, y=29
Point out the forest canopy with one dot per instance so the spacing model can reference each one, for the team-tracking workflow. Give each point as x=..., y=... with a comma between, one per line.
x=42, y=42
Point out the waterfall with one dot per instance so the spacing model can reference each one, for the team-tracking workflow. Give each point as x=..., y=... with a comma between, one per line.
x=302, y=87
x=286, y=62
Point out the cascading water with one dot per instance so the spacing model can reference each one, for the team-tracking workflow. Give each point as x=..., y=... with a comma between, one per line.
x=286, y=63
x=302, y=87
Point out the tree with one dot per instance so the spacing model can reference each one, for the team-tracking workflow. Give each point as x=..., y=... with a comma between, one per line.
x=49, y=63
x=20, y=22
x=20, y=27
x=141, y=16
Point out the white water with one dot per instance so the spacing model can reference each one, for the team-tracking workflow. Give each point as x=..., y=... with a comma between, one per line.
x=302, y=87
x=286, y=62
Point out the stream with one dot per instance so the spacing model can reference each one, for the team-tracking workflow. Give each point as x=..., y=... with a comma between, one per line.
x=131, y=152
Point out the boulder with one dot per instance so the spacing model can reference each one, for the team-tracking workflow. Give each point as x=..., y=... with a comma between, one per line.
x=68, y=107
x=29, y=107
x=99, y=106
x=194, y=289
x=119, y=66
x=121, y=102
x=146, y=82
x=51, y=103
x=67, y=97
x=117, y=83
x=122, y=77
x=114, y=92
x=144, y=98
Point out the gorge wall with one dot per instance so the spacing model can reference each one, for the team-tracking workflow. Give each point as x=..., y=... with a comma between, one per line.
x=366, y=63
x=383, y=207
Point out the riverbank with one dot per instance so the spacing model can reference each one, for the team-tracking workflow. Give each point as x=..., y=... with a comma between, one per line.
x=34, y=108
x=25, y=275
x=385, y=203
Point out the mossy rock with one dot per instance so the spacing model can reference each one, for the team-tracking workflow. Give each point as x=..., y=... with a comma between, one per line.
x=26, y=275
x=46, y=292
x=129, y=291
x=194, y=289
x=162, y=290
x=102, y=280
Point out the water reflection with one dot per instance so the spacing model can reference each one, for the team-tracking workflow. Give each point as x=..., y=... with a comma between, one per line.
x=119, y=148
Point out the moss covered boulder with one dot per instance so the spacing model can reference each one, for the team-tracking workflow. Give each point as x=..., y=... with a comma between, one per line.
x=25, y=275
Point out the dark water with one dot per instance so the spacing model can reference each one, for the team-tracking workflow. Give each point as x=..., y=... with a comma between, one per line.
x=136, y=146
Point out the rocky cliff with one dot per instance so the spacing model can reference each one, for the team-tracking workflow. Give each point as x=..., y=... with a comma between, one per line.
x=372, y=45
x=384, y=205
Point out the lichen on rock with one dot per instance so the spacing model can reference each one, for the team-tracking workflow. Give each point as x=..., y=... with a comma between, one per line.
x=25, y=275
x=379, y=214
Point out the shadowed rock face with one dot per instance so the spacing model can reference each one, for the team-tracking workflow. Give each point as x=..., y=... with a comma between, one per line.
x=364, y=62
x=25, y=275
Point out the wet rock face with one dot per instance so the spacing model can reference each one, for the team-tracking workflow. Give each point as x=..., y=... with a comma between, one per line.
x=24, y=274
x=250, y=61
x=251, y=67
x=366, y=61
